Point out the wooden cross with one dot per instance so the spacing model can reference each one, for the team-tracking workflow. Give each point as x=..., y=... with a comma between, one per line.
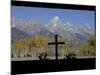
x=56, y=43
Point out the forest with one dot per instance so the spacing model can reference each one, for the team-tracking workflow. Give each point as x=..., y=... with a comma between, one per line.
x=32, y=47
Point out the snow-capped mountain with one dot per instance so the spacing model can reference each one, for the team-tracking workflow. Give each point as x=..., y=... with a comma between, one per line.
x=86, y=29
x=55, y=26
x=31, y=27
x=68, y=30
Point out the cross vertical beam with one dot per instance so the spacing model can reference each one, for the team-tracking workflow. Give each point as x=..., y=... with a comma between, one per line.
x=56, y=43
x=56, y=47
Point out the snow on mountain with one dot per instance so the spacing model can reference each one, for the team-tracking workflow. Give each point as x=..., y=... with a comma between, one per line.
x=58, y=27
x=86, y=29
x=68, y=30
x=16, y=22
x=55, y=26
x=31, y=27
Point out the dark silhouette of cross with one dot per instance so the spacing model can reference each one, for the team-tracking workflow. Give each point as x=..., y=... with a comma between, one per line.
x=56, y=43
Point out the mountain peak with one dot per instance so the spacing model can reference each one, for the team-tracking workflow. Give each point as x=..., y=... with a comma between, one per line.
x=56, y=18
x=86, y=28
x=55, y=22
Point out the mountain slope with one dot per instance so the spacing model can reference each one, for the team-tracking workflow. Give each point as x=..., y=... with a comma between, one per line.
x=68, y=30
x=18, y=34
x=55, y=26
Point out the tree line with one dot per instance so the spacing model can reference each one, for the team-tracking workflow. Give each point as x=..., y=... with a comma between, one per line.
x=35, y=45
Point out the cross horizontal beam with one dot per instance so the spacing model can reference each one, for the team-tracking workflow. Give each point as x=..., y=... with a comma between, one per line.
x=50, y=43
x=56, y=43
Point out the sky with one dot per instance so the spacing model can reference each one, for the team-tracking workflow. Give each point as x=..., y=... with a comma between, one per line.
x=44, y=15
